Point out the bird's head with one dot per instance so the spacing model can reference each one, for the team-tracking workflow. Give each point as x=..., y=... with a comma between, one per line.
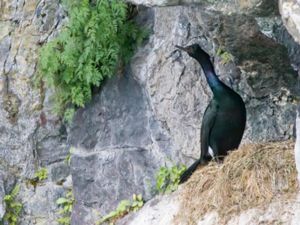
x=194, y=51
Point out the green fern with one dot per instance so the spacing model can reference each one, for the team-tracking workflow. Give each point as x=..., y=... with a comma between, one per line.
x=13, y=208
x=96, y=41
x=41, y=174
x=167, y=179
x=66, y=204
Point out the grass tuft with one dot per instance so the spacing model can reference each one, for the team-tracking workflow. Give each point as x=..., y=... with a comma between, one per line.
x=252, y=176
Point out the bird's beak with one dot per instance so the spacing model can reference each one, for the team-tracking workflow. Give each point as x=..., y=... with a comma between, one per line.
x=183, y=48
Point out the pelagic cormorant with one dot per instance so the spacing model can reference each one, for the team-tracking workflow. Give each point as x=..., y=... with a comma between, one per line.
x=224, y=119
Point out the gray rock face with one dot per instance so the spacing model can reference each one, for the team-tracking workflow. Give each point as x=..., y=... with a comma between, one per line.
x=160, y=210
x=121, y=114
x=152, y=114
x=117, y=146
x=274, y=28
x=145, y=118
x=105, y=177
x=253, y=7
x=163, y=209
x=7, y=181
x=40, y=206
x=289, y=10
x=30, y=135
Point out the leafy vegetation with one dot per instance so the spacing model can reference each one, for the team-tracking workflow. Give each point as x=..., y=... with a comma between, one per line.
x=41, y=174
x=137, y=202
x=13, y=207
x=225, y=56
x=66, y=204
x=124, y=207
x=98, y=39
x=167, y=179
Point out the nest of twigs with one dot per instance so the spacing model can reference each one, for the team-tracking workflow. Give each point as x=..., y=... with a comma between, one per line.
x=252, y=176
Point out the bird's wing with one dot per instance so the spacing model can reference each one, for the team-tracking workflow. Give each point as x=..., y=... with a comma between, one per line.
x=208, y=121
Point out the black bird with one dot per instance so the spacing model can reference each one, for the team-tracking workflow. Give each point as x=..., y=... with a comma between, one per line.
x=224, y=119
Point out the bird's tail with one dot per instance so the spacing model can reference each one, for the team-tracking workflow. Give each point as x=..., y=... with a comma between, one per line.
x=186, y=175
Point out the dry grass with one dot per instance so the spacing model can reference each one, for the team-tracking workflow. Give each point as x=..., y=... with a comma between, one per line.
x=252, y=176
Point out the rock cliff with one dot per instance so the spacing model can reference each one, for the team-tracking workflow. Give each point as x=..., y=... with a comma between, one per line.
x=150, y=115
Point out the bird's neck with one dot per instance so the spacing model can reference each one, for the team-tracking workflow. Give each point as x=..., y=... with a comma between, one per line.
x=211, y=77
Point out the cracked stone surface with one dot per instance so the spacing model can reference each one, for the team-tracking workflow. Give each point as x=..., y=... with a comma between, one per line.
x=149, y=116
x=30, y=135
x=290, y=14
x=162, y=210
x=166, y=95
x=253, y=7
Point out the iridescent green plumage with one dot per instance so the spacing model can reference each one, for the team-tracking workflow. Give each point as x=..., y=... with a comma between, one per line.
x=224, y=119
